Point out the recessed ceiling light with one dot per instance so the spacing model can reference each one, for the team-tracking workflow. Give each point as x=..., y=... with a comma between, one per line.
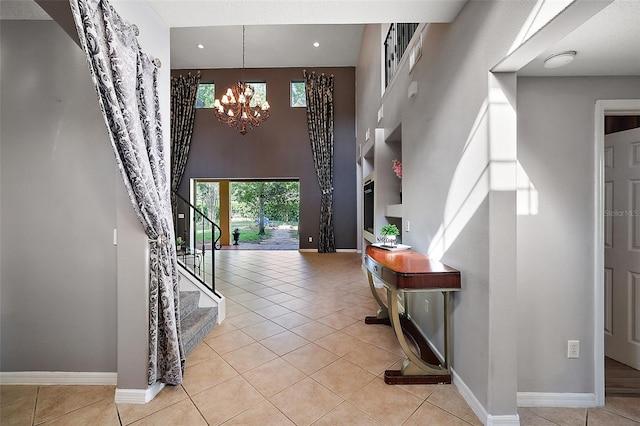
x=560, y=59
x=316, y=44
x=200, y=46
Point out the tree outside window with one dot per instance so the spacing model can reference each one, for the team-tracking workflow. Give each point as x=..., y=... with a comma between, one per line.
x=206, y=95
x=260, y=92
x=298, y=97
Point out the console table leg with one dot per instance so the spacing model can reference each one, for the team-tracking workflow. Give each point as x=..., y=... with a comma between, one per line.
x=447, y=329
x=383, y=311
x=413, y=365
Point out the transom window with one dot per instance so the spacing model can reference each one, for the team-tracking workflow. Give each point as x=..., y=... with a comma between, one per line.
x=298, y=97
x=259, y=92
x=206, y=95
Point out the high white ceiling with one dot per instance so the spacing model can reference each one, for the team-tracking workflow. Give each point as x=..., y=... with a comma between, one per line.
x=266, y=46
x=198, y=13
x=280, y=33
x=606, y=44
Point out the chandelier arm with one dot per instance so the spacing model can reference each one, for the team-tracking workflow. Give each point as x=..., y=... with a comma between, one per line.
x=235, y=109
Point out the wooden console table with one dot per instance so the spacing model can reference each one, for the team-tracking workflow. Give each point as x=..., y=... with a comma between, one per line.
x=408, y=271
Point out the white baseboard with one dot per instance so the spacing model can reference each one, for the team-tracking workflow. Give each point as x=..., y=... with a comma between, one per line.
x=57, y=378
x=337, y=250
x=131, y=396
x=503, y=420
x=222, y=307
x=468, y=396
x=138, y=396
x=549, y=399
x=486, y=418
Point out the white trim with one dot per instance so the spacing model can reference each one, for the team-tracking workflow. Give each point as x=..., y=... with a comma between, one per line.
x=206, y=298
x=620, y=107
x=138, y=396
x=479, y=410
x=598, y=255
x=468, y=396
x=57, y=378
x=510, y=420
x=337, y=251
x=550, y=399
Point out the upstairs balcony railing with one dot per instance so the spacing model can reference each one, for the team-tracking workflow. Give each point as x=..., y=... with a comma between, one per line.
x=197, y=239
x=395, y=45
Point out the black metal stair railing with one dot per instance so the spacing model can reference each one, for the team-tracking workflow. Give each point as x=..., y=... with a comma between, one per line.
x=197, y=239
x=395, y=44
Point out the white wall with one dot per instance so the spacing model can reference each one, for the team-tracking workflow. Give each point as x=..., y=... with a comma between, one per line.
x=58, y=261
x=66, y=290
x=445, y=159
x=556, y=125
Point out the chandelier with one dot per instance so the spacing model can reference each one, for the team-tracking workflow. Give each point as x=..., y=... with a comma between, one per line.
x=241, y=106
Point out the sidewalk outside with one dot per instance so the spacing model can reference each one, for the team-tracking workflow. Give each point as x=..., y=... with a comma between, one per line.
x=280, y=239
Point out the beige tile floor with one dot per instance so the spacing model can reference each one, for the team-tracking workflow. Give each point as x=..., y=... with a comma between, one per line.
x=293, y=351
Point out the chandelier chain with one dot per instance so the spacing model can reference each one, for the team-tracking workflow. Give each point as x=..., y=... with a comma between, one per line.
x=240, y=107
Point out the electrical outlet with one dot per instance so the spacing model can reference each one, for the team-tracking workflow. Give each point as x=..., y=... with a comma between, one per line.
x=573, y=349
x=310, y=239
x=407, y=226
x=426, y=305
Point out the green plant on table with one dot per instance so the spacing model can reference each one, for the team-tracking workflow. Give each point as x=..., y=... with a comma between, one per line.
x=389, y=230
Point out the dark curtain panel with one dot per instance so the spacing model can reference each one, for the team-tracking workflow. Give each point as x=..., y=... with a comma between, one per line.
x=319, y=94
x=183, y=113
x=126, y=81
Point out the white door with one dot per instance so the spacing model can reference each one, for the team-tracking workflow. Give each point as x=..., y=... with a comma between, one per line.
x=622, y=247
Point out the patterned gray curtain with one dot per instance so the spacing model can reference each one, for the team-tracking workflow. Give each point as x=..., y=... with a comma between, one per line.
x=319, y=94
x=126, y=82
x=183, y=113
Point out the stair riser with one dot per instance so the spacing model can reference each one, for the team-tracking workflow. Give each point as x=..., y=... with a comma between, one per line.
x=188, y=302
x=197, y=326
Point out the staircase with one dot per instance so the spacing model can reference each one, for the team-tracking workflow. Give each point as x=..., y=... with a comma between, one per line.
x=200, y=238
x=195, y=322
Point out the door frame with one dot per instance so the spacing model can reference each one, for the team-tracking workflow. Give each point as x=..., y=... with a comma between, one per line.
x=603, y=107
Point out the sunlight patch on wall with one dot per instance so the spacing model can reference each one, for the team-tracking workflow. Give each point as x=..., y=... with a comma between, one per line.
x=526, y=194
x=488, y=163
x=469, y=186
x=543, y=12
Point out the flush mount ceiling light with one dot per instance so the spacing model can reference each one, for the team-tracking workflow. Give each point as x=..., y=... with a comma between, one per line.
x=316, y=44
x=560, y=59
x=200, y=46
x=241, y=107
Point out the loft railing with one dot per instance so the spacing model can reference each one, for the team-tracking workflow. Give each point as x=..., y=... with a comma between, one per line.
x=199, y=237
x=395, y=45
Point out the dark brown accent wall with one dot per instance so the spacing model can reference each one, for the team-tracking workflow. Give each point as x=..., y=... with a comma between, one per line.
x=280, y=147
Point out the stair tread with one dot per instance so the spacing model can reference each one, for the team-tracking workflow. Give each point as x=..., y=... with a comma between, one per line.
x=198, y=314
x=197, y=325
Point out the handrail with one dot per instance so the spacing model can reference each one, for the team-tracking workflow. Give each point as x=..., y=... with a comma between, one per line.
x=216, y=244
x=197, y=257
x=395, y=44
